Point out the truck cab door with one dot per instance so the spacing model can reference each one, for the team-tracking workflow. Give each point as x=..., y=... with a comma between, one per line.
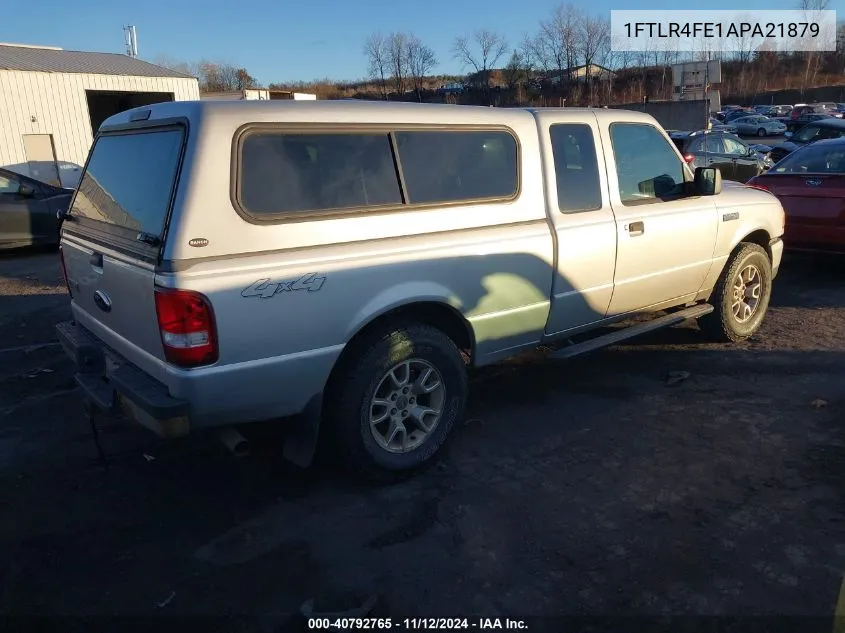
x=666, y=237
x=583, y=224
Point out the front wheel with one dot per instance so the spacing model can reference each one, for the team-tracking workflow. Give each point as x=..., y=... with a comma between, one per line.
x=396, y=399
x=741, y=296
x=761, y=132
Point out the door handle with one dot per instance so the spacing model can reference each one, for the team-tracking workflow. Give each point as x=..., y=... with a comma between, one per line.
x=636, y=228
x=96, y=260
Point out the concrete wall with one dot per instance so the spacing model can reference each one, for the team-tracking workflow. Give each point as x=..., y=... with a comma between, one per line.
x=791, y=97
x=55, y=103
x=674, y=115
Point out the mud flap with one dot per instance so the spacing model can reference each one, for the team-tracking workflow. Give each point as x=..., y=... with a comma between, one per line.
x=301, y=441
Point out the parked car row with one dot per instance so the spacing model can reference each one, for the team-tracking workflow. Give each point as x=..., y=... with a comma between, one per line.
x=772, y=120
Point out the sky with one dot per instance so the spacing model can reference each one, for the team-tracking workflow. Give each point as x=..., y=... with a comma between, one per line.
x=281, y=40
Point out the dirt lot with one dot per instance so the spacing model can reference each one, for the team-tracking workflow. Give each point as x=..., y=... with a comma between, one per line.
x=586, y=488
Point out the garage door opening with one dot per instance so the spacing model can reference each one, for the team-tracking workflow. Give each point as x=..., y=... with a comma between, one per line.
x=102, y=104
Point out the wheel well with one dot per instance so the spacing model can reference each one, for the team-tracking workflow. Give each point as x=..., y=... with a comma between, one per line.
x=439, y=315
x=761, y=238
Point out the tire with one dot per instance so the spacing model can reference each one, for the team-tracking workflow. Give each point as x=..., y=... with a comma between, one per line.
x=723, y=324
x=365, y=375
x=761, y=132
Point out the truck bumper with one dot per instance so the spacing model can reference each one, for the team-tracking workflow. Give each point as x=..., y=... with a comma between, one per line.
x=776, y=248
x=110, y=383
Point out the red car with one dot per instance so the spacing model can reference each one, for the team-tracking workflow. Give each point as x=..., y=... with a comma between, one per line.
x=810, y=184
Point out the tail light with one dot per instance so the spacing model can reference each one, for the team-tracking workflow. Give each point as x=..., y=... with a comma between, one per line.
x=688, y=158
x=758, y=187
x=64, y=269
x=188, y=331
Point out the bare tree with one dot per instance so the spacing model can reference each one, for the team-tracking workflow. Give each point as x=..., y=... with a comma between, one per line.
x=840, y=47
x=527, y=55
x=558, y=42
x=666, y=54
x=420, y=61
x=376, y=48
x=397, y=50
x=811, y=8
x=482, y=54
x=594, y=40
x=620, y=58
x=514, y=72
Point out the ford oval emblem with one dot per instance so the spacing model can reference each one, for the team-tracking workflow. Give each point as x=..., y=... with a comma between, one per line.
x=199, y=242
x=813, y=182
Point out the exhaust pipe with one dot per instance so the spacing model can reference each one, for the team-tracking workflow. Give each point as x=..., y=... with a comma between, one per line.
x=235, y=442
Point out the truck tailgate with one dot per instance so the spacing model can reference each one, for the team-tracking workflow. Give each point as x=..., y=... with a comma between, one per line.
x=112, y=238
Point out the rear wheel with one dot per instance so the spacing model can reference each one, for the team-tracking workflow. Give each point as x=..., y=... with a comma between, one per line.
x=761, y=132
x=741, y=296
x=396, y=398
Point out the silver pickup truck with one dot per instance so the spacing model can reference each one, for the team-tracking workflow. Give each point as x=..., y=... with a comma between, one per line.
x=342, y=264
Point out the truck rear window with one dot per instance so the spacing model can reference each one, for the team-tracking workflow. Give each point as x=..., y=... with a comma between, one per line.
x=129, y=180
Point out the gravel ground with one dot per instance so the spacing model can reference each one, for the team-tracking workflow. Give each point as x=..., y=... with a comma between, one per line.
x=660, y=477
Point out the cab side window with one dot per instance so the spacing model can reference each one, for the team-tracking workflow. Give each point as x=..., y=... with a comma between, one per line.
x=576, y=167
x=648, y=169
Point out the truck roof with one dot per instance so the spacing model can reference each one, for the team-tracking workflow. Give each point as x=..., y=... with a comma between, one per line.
x=356, y=111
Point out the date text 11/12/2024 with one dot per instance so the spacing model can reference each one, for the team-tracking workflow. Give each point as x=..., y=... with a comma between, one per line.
x=414, y=624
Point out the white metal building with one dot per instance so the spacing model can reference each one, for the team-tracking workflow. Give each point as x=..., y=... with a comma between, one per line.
x=52, y=101
x=257, y=94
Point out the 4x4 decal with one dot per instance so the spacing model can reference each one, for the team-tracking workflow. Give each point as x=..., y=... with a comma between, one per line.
x=265, y=289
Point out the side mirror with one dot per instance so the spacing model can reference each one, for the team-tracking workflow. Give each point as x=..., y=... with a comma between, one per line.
x=708, y=181
x=26, y=191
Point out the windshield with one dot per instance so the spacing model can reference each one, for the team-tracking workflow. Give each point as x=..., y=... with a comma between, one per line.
x=819, y=158
x=807, y=134
x=129, y=180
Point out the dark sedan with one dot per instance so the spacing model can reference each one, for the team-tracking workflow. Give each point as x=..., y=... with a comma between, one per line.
x=793, y=125
x=29, y=211
x=736, y=160
x=738, y=112
x=810, y=184
x=810, y=133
